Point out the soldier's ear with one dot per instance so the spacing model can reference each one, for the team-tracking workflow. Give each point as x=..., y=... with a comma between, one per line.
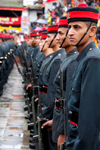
x=93, y=30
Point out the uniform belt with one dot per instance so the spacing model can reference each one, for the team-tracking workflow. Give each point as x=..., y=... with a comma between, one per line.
x=41, y=89
x=57, y=103
x=73, y=117
x=45, y=89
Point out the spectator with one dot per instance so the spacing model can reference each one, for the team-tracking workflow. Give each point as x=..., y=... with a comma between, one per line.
x=53, y=13
x=59, y=6
x=97, y=7
x=69, y=6
x=57, y=13
x=33, y=27
x=49, y=19
x=61, y=11
x=44, y=27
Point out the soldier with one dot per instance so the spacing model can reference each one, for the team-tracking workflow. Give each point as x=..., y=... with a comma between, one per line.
x=68, y=66
x=49, y=75
x=1, y=65
x=84, y=98
x=40, y=55
x=35, y=45
x=48, y=56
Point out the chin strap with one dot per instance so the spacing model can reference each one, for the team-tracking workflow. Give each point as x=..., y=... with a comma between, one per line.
x=43, y=46
x=53, y=39
x=84, y=34
x=64, y=38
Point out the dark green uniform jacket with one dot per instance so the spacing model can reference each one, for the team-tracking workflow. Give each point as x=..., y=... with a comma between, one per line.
x=38, y=62
x=67, y=67
x=84, y=102
x=48, y=78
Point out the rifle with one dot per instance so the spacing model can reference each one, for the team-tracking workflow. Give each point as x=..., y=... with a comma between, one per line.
x=35, y=89
x=63, y=108
x=44, y=135
x=19, y=70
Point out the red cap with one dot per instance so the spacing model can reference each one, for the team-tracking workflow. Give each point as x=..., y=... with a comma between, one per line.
x=63, y=22
x=83, y=13
x=44, y=35
x=39, y=33
x=52, y=29
x=82, y=5
x=34, y=31
x=34, y=34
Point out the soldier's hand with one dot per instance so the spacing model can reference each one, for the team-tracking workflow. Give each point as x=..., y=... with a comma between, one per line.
x=29, y=86
x=38, y=118
x=36, y=99
x=49, y=124
x=61, y=139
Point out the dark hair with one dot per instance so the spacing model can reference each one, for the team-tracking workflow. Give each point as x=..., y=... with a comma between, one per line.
x=93, y=24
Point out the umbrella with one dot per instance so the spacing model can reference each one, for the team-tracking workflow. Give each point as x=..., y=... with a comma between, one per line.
x=42, y=21
x=38, y=28
x=13, y=30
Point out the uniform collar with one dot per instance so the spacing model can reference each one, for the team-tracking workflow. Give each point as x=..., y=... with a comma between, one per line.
x=85, y=50
x=71, y=52
x=49, y=55
x=59, y=51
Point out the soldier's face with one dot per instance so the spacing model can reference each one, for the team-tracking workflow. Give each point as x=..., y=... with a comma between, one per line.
x=76, y=31
x=60, y=37
x=38, y=40
x=0, y=41
x=42, y=44
x=50, y=38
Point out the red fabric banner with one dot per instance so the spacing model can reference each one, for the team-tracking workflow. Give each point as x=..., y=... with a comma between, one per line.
x=13, y=8
x=10, y=20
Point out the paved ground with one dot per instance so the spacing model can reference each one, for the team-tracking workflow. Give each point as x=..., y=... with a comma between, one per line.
x=13, y=126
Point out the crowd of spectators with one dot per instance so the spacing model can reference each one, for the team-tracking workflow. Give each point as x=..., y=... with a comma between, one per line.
x=52, y=16
x=58, y=10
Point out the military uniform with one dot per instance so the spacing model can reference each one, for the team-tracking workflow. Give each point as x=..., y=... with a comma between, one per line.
x=84, y=98
x=68, y=67
x=30, y=50
x=46, y=61
x=38, y=62
x=34, y=53
x=48, y=77
x=84, y=92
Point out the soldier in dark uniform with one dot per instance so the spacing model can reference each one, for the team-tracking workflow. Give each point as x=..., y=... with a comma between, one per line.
x=1, y=65
x=35, y=45
x=51, y=70
x=84, y=98
x=68, y=66
x=48, y=56
x=40, y=55
x=49, y=75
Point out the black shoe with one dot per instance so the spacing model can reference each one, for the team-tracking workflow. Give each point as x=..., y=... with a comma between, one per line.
x=31, y=134
x=30, y=141
x=32, y=146
x=31, y=131
x=28, y=121
x=1, y=92
x=27, y=117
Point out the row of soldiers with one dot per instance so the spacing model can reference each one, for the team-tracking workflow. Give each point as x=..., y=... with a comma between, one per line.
x=63, y=97
x=7, y=47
